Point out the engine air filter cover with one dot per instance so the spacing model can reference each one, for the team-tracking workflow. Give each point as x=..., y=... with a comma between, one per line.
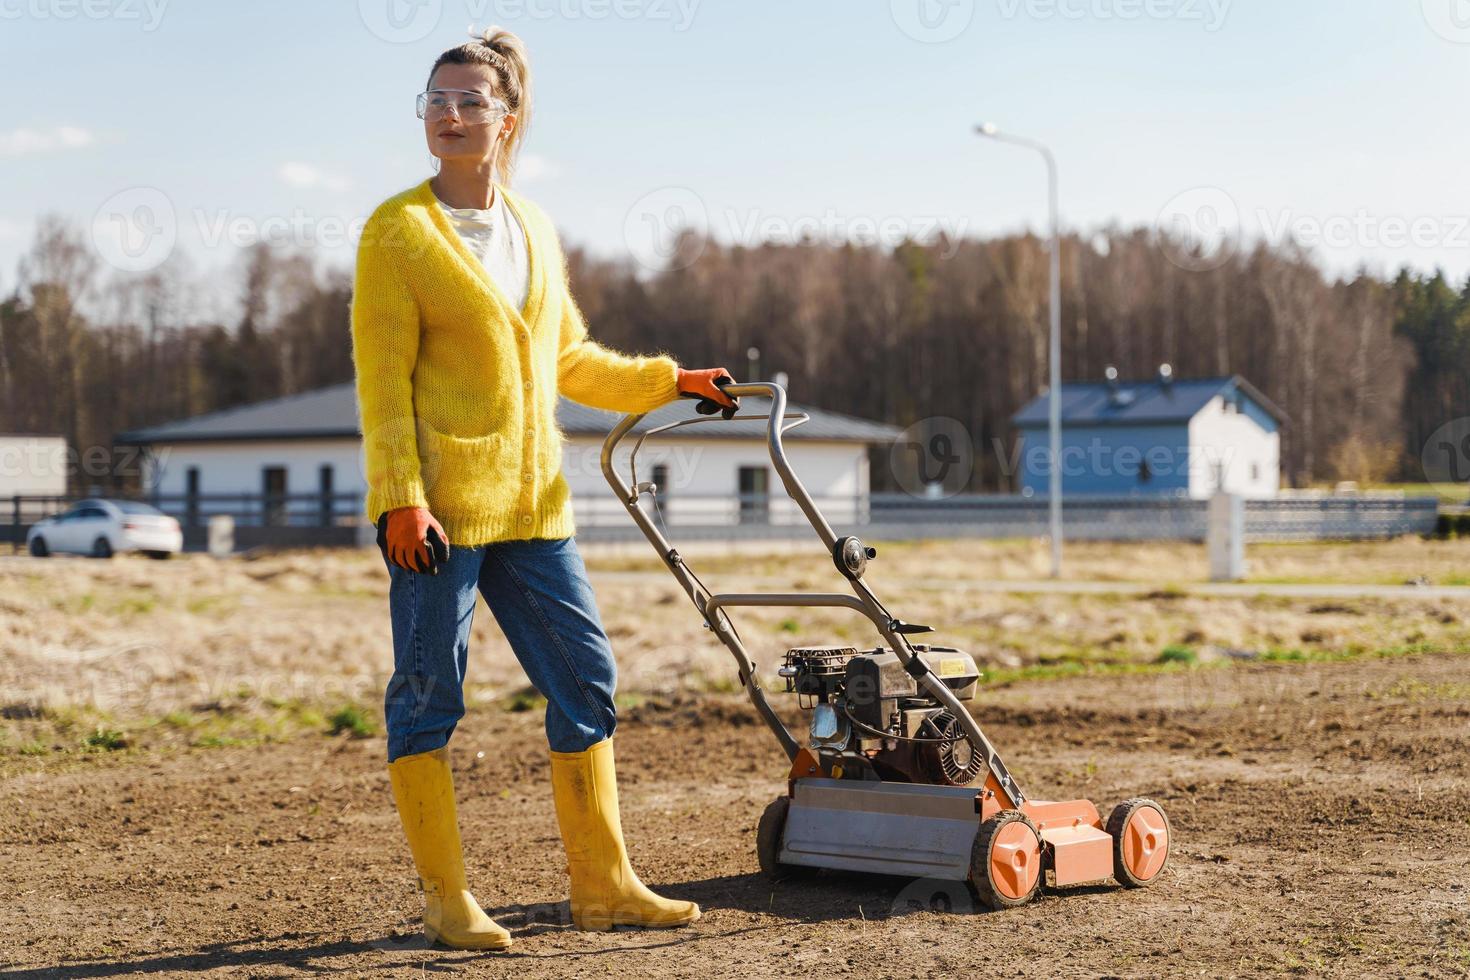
x=816, y=670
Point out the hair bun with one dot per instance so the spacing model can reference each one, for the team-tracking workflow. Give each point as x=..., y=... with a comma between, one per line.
x=497, y=39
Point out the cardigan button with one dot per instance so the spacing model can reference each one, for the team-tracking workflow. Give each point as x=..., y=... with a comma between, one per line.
x=525, y=518
x=528, y=386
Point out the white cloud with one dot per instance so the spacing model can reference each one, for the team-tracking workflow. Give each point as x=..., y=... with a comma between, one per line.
x=10, y=229
x=19, y=142
x=304, y=175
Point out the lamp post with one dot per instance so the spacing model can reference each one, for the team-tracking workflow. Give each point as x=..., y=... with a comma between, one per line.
x=1054, y=396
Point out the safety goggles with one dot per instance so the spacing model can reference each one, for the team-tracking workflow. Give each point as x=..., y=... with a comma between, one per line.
x=471, y=107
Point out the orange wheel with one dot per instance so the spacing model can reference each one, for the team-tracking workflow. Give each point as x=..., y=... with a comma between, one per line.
x=1005, y=860
x=1140, y=833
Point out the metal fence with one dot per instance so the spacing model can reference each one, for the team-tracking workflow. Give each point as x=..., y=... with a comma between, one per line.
x=1288, y=517
x=897, y=516
x=299, y=520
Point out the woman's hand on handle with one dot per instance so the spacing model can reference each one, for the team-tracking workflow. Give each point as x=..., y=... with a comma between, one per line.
x=412, y=539
x=704, y=383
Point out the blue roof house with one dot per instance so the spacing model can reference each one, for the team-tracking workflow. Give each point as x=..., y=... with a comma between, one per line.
x=1163, y=436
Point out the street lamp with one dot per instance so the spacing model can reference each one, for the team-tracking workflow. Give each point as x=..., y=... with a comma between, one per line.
x=1054, y=396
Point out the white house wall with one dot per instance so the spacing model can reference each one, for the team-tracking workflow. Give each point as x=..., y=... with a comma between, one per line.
x=702, y=474
x=235, y=467
x=1233, y=446
x=703, y=478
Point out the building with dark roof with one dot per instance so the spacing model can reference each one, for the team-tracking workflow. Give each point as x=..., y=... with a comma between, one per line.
x=1161, y=436
x=305, y=448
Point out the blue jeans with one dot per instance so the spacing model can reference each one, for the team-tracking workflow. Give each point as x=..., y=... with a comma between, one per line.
x=539, y=594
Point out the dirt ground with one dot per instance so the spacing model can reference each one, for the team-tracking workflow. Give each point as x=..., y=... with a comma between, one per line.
x=1319, y=814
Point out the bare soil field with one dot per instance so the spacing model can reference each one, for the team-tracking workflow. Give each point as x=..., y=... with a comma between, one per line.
x=1319, y=815
x=173, y=804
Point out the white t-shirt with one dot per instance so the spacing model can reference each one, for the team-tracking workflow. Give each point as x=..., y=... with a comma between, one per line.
x=498, y=239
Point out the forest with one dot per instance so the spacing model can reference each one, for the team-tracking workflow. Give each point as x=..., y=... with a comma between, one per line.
x=1364, y=368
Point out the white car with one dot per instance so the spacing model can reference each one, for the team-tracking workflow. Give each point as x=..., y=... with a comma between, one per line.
x=101, y=528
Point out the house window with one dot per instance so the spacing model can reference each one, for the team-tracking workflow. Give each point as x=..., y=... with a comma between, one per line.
x=191, y=496
x=755, y=494
x=1255, y=472
x=273, y=495
x=661, y=479
x=324, y=486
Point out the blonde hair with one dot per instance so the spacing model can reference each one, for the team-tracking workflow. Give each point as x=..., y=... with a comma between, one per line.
x=504, y=54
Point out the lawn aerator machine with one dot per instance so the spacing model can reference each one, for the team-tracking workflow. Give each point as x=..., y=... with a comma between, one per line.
x=894, y=775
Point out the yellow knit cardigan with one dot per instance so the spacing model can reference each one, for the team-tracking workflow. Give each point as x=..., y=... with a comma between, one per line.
x=457, y=389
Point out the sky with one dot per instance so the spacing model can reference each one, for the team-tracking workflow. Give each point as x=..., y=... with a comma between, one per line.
x=167, y=127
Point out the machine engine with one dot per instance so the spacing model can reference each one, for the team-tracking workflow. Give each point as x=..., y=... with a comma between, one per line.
x=870, y=712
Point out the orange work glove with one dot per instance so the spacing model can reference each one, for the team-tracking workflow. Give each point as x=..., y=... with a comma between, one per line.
x=411, y=538
x=705, y=384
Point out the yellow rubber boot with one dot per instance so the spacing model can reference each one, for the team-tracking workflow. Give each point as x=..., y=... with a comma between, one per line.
x=424, y=791
x=605, y=890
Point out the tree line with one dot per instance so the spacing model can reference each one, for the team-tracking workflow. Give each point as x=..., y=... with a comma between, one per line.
x=1365, y=369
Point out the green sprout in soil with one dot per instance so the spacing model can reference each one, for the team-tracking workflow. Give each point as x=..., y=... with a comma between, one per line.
x=106, y=739
x=1177, y=653
x=353, y=721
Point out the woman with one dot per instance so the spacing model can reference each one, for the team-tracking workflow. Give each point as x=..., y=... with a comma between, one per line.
x=464, y=333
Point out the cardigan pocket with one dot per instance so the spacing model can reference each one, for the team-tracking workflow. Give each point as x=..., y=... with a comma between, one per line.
x=465, y=476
